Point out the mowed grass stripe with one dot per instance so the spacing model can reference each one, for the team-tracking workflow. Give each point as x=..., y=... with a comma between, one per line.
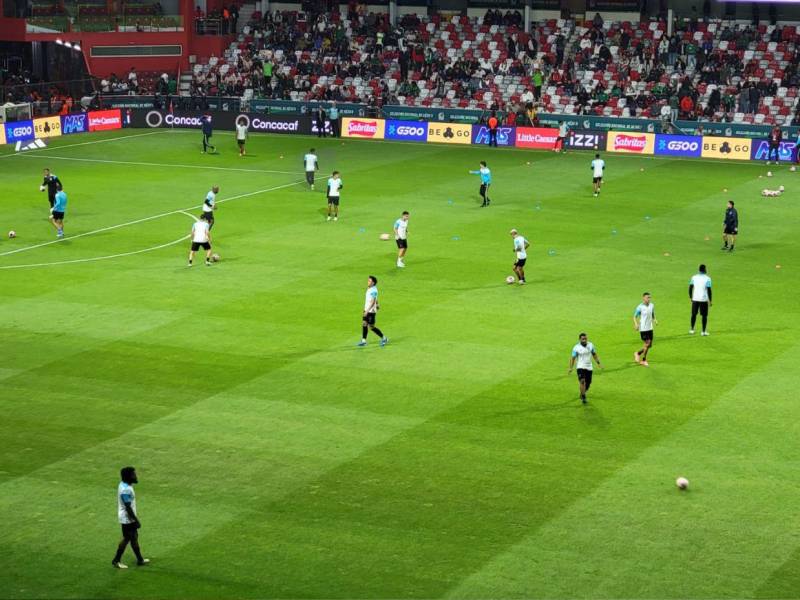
x=638, y=536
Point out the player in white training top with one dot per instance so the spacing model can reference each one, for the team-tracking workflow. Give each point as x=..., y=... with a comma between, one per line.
x=311, y=165
x=644, y=319
x=401, y=237
x=583, y=353
x=700, y=295
x=598, y=166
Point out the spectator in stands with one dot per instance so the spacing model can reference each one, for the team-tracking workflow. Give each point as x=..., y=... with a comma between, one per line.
x=537, y=84
x=133, y=82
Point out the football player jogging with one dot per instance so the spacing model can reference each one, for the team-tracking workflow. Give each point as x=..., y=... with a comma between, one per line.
x=401, y=238
x=128, y=519
x=58, y=212
x=700, y=295
x=598, y=166
x=201, y=238
x=561, y=140
x=208, y=131
x=486, y=181
x=521, y=246
x=241, y=136
x=311, y=163
x=644, y=319
x=371, y=307
x=582, y=354
x=334, y=192
x=730, y=227
x=52, y=184
x=210, y=205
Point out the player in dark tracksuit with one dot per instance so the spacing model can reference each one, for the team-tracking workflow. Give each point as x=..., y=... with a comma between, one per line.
x=730, y=227
x=775, y=138
x=208, y=131
x=52, y=184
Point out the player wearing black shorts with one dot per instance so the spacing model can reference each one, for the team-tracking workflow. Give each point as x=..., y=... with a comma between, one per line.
x=583, y=353
x=401, y=238
x=644, y=319
x=730, y=227
x=371, y=307
x=52, y=184
x=334, y=192
x=201, y=238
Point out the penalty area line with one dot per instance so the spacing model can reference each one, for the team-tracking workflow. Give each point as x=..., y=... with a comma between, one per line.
x=142, y=220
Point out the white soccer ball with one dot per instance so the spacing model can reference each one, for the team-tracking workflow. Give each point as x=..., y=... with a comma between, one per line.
x=12, y=234
x=781, y=189
x=385, y=237
x=769, y=173
x=793, y=168
x=41, y=188
x=682, y=483
x=510, y=279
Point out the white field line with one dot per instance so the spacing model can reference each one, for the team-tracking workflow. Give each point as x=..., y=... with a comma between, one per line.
x=144, y=219
x=152, y=164
x=116, y=139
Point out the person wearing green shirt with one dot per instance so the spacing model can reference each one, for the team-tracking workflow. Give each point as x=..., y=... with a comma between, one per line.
x=691, y=55
x=267, y=68
x=537, y=84
x=333, y=117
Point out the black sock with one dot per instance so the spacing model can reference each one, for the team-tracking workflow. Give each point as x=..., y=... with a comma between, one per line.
x=377, y=332
x=705, y=322
x=364, y=333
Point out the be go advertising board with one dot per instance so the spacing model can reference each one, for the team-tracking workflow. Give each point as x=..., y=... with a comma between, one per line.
x=19, y=131
x=679, y=145
x=630, y=142
x=450, y=133
x=47, y=127
x=363, y=127
x=726, y=148
x=406, y=131
x=505, y=135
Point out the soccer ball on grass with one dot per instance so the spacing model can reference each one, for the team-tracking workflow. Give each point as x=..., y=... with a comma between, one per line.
x=385, y=237
x=682, y=483
x=215, y=257
x=510, y=279
x=12, y=234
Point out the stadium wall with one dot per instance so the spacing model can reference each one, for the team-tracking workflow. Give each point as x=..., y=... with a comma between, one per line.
x=367, y=128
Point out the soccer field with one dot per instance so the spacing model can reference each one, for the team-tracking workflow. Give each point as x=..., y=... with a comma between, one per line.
x=278, y=460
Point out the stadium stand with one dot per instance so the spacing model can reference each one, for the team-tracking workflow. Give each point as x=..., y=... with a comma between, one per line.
x=712, y=70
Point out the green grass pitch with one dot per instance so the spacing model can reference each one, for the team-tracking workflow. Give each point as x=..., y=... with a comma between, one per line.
x=277, y=460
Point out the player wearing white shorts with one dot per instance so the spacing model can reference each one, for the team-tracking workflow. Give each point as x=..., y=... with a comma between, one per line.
x=598, y=166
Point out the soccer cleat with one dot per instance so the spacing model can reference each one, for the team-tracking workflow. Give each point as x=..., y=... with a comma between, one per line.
x=691, y=332
x=645, y=363
x=583, y=398
x=335, y=218
x=725, y=247
x=143, y=563
x=361, y=344
x=730, y=249
x=208, y=263
x=329, y=217
x=312, y=187
x=118, y=565
x=401, y=265
x=189, y=265
x=595, y=195
x=384, y=341
x=522, y=282
x=704, y=333
x=636, y=357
